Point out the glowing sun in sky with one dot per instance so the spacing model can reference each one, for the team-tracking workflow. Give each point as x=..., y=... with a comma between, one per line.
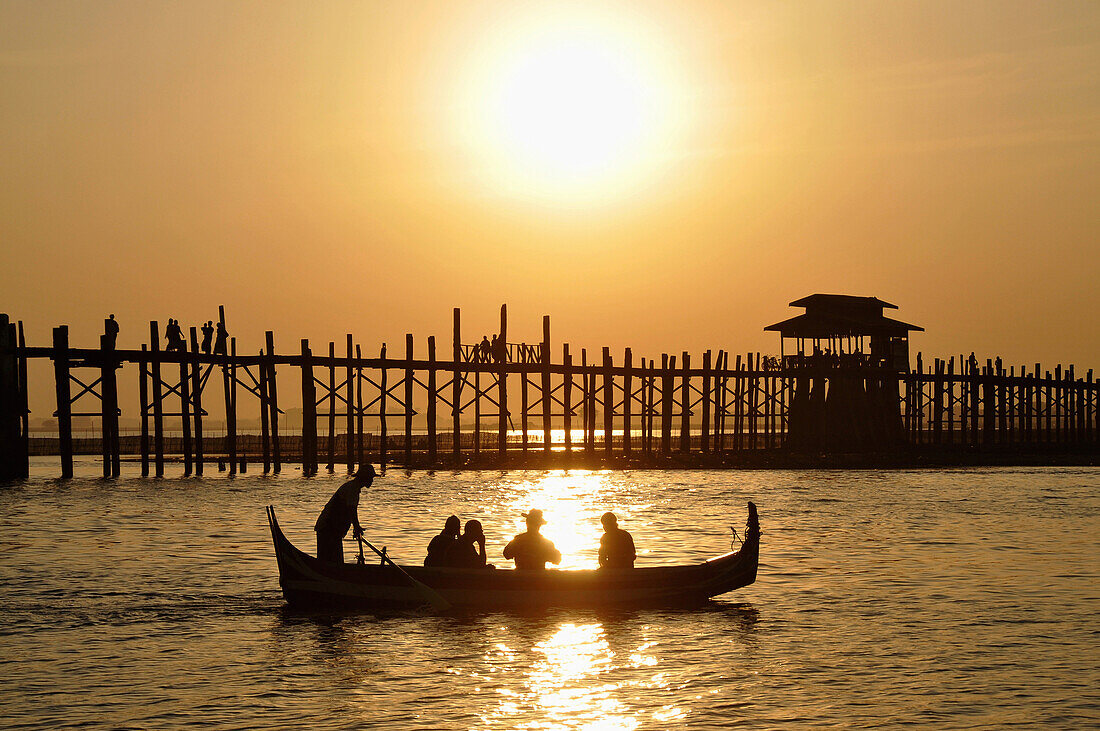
x=571, y=107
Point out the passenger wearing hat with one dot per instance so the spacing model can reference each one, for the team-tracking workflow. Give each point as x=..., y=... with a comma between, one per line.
x=616, y=545
x=531, y=550
x=341, y=512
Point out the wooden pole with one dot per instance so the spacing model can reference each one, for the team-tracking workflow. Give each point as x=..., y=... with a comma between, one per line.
x=273, y=403
x=685, y=405
x=230, y=383
x=158, y=400
x=705, y=437
x=586, y=400
x=12, y=454
x=408, y=382
x=667, y=364
x=456, y=389
x=265, y=416
x=608, y=402
x=185, y=409
x=109, y=403
x=502, y=383
x=309, y=412
x=196, y=401
x=382, y=398
x=523, y=407
x=360, y=449
x=567, y=396
x=628, y=396
x=143, y=395
x=25, y=412
x=64, y=399
x=433, y=397
x=544, y=355
x=349, y=398
x=651, y=380
x=331, y=406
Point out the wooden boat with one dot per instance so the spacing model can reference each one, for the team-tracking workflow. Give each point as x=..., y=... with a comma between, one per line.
x=308, y=583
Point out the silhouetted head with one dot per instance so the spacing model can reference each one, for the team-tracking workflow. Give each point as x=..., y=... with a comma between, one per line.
x=609, y=521
x=366, y=473
x=112, y=316
x=473, y=529
x=452, y=526
x=534, y=519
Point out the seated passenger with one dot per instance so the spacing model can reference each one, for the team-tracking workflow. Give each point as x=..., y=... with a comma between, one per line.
x=441, y=544
x=468, y=552
x=531, y=550
x=616, y=545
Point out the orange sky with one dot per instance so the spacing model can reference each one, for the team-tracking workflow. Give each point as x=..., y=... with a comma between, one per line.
x=307, y=165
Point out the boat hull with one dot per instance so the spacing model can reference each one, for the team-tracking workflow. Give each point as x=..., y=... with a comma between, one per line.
x=308, y=583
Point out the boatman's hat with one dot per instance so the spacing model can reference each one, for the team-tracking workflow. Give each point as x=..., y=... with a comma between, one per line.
x=366, y=472
x=534, y=516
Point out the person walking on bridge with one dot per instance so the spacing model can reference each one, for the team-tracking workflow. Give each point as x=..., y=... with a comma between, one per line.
x=342, y=512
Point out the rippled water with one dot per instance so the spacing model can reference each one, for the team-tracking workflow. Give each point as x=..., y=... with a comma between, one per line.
x=941, y=599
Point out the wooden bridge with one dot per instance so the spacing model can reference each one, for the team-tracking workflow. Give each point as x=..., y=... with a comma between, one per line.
x=415, y=408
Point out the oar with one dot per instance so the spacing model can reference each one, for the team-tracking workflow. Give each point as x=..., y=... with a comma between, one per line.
x=431, y=595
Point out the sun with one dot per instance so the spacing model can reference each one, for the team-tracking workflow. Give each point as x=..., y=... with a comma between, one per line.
x=572, y=109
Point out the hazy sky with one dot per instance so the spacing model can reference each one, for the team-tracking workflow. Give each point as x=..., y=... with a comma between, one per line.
x=321, y=167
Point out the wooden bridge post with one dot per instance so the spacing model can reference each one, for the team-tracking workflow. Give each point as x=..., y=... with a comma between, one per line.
x=685, y=404
x=628, y=396
x=667, y=364
x=586, y=401
x=273, y=403
x=433, y=397
x=740, y=382
x=456, y=388
x=567, y=396
x=158, y=399
x=64, y=399
x=231, y=405
x=989, y=409
x=704, y=439
x=937, y=402
x=383, y=432
x=22, y=467
x=265, y=416
x=523, y=408
x=647, y=406
x=1059, y=411
x=331, y=406
x=547, y=399
x=185, y=409
x=309, y=412
x=12, y=456
x=143, y=396
x=349, y=398
x=502, y=383
x=608, y=402
x=408, y=382
x=196, y=402
x=950, y=381
x=230, y=444
x=109, y=404
x=1090, y=408
x=360, y=442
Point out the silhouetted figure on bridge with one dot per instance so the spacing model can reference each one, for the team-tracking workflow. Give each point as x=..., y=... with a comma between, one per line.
x=207, y=336
x=440, y=546
x=532, y=550
x=174, y=336
x=222, y=340
x=341, y=512
x=110, y=329
x=481, y=354
x=499, y=349
x=616, y=545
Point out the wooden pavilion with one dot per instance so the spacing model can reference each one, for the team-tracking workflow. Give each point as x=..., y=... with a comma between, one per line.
x=847, y=358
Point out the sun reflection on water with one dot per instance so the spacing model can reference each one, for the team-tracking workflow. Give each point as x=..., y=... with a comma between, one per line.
x=570, y=681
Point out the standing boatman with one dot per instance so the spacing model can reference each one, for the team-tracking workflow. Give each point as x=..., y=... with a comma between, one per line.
x=342, y=512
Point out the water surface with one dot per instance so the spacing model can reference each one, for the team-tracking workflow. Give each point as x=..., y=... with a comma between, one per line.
x=936, y=599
